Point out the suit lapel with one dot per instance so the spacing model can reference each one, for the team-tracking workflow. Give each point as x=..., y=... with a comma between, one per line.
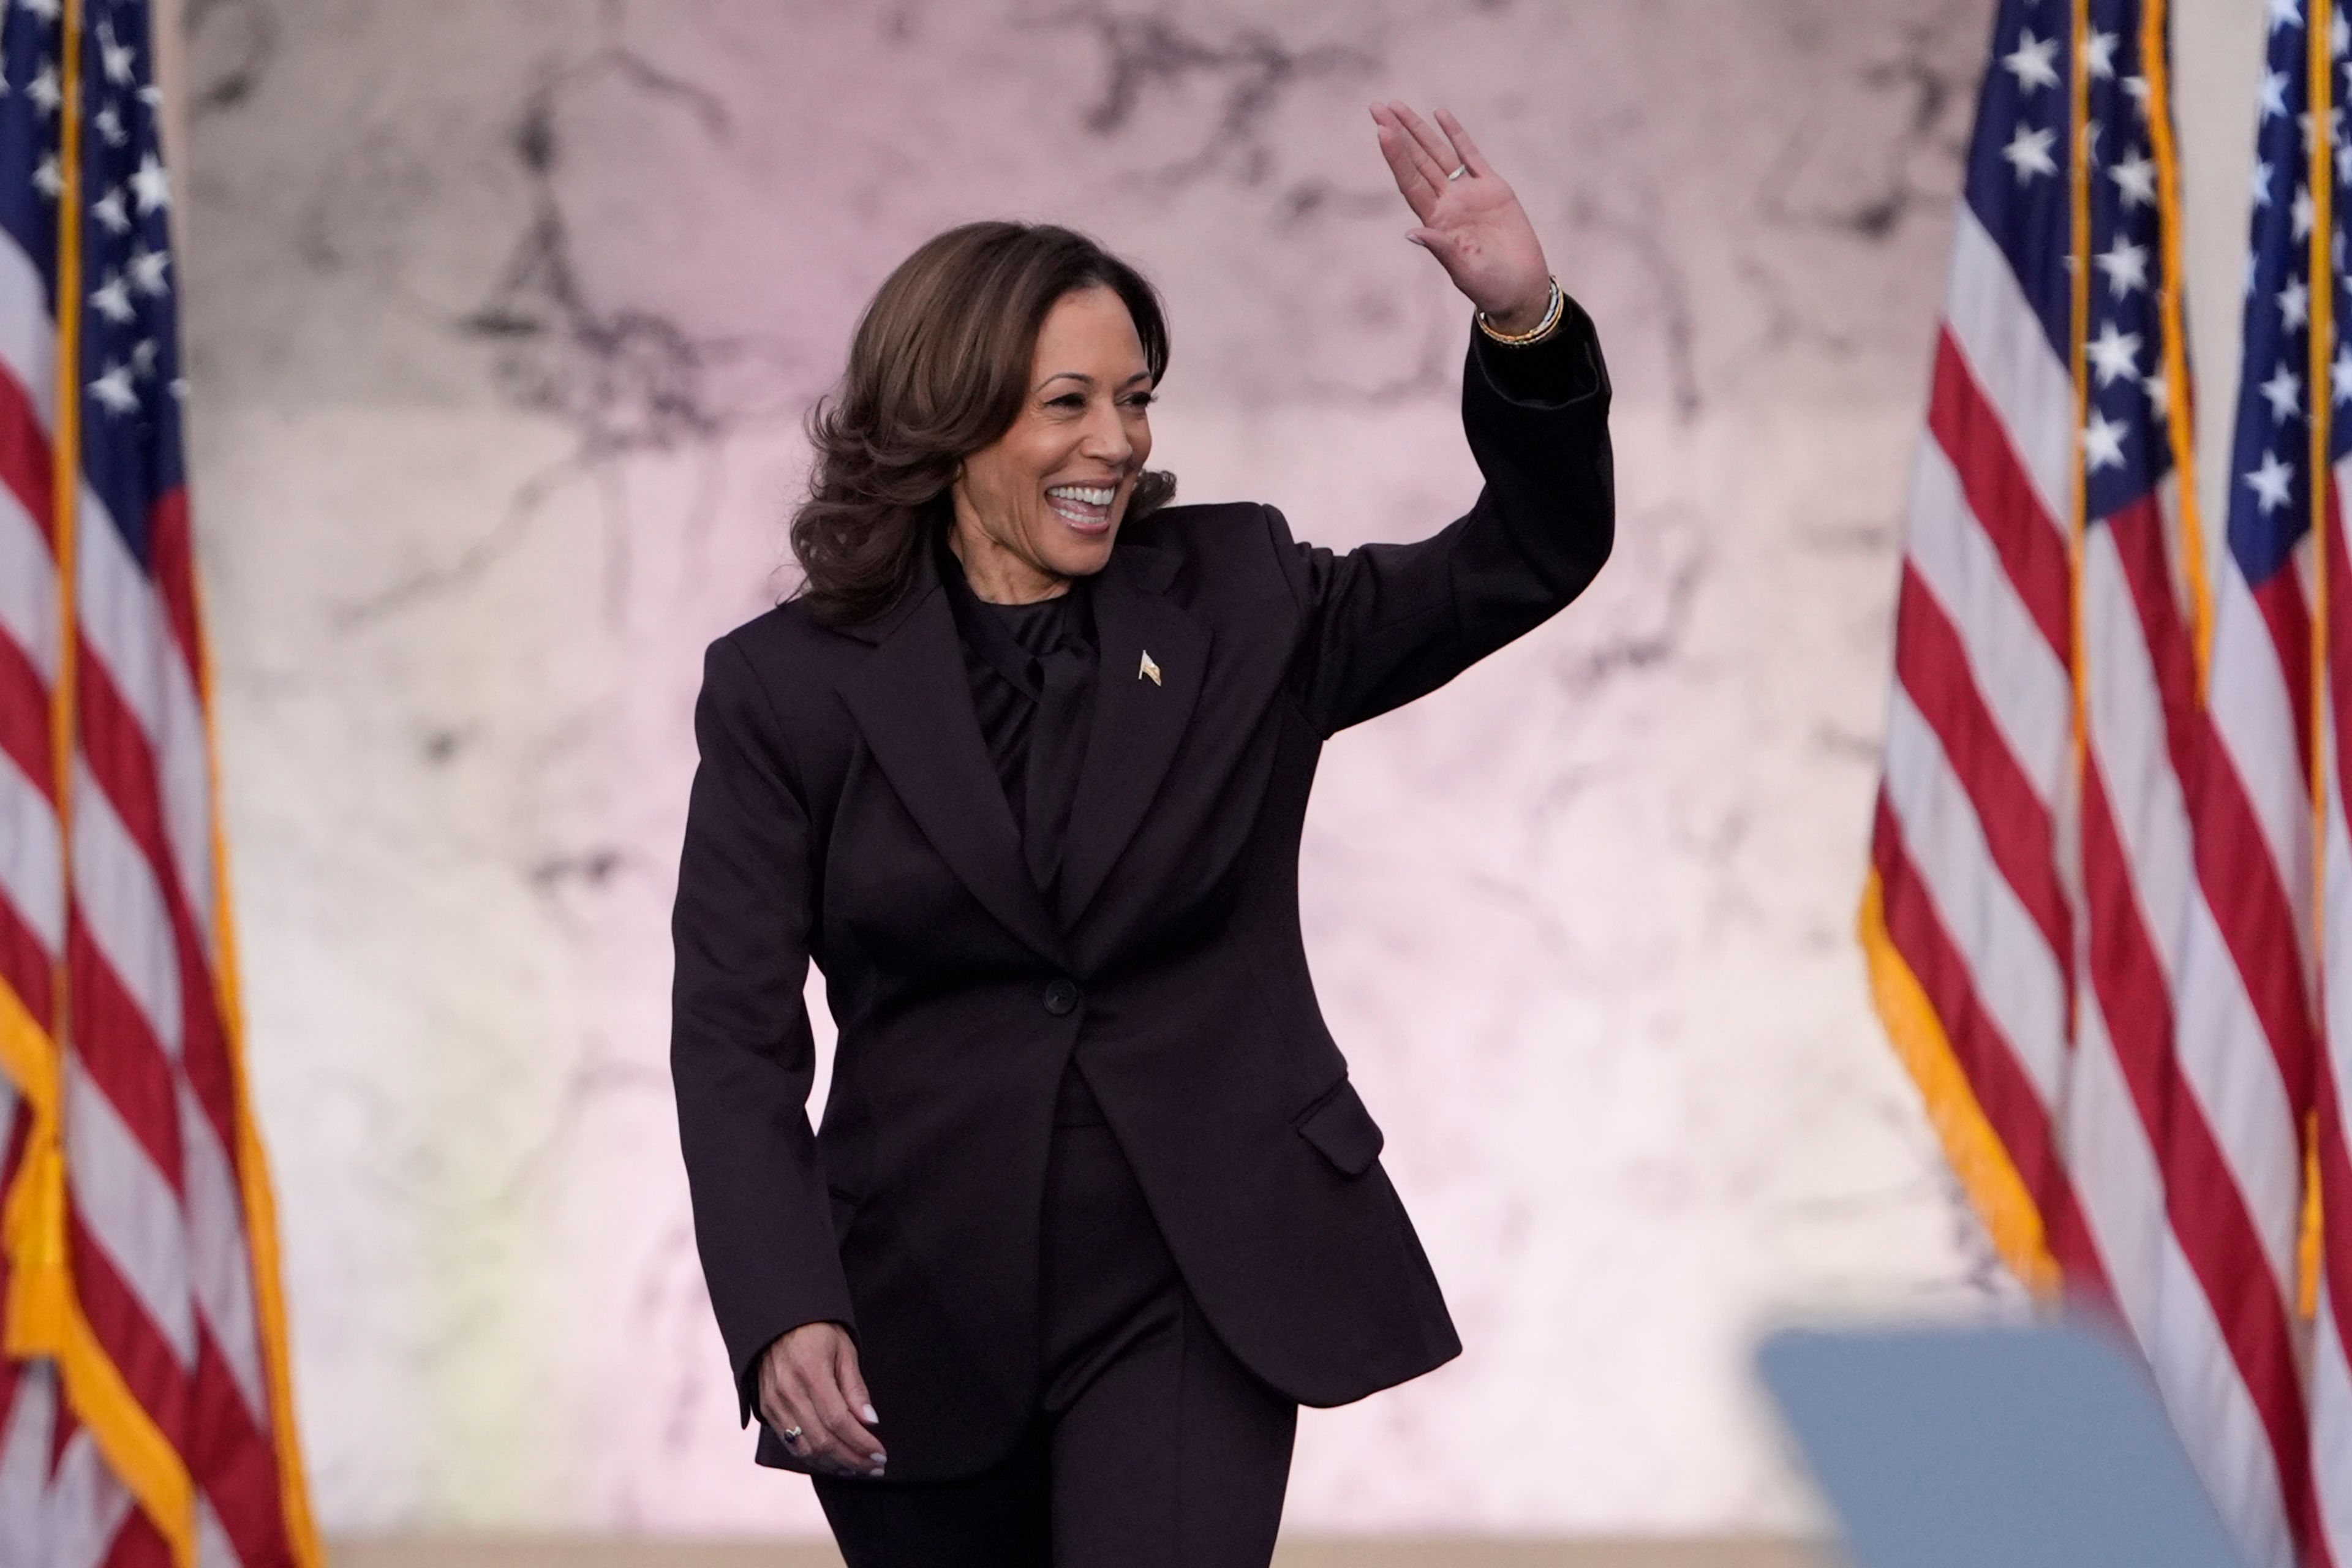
x=1138, y=720
x=913, y=703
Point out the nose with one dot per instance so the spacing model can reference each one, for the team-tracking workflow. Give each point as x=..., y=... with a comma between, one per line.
x=1106, y=439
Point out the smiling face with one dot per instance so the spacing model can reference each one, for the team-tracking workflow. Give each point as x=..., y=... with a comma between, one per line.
x=1042, y=503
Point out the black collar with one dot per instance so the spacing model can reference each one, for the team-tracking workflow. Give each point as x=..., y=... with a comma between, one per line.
x=985, y=634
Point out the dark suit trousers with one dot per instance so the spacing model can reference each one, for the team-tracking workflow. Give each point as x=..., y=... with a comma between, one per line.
x=1152, y=1447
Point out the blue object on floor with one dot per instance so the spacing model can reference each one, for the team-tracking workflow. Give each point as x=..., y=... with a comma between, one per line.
x=1992, y=1447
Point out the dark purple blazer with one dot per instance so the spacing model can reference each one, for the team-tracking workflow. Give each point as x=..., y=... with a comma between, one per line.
x=845, y=810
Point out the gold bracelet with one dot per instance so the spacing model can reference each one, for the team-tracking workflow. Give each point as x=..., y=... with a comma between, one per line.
x=1553, y=309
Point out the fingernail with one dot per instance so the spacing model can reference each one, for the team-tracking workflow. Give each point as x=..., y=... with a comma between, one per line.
x=867, y=1411
x=873, y=1475
x=879, y=1459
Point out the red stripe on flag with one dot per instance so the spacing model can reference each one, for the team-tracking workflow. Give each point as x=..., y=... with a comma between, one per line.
x=2000, y=494
x=2234, y=866
x=24, y=735
x=1933, y=667
x=234, y=1462
x=139, y=1545
x=170, y=560
x=2202, y=1199
x=120, y=1054
x=25, y=458
x=129, y=1336
x=1985, y=1057
x=124, y=767
x=27, y=966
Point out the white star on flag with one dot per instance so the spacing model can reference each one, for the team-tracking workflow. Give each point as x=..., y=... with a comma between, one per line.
x=151, y=186
x=2295, y=303
x=2270, y=482
x=2339, y=377
x=107, y=210
x=111, y=300
x=2273, y=94
x=2286, y=13
x=2029, y=153
x=147, y=269
x=2284, y=393
x=2159, y=393
x=46, y=10
x=117, y=58
x=44, y=91
x=2099, y=55
x=114, y=390
x=2304, y=213
x=109, y=125
x=2114, y=353
x=46, y=177
x=2031, y=62
x=2138, y=87
x=2135, y=179
x=2125, y=265
x=2103, y=441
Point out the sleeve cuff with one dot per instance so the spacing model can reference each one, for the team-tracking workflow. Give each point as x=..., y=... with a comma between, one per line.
x=1560, y=369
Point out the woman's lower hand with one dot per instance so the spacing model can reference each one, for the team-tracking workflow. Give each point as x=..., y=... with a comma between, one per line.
x=811, y=1394
x=1471, y=219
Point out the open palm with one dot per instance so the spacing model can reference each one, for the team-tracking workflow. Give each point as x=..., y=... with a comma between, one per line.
x=1471, y=221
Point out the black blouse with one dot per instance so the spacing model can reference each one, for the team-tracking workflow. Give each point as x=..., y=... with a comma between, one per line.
x=1032, y=669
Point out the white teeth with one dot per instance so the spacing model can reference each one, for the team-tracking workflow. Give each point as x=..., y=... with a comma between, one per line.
x=1094, y=495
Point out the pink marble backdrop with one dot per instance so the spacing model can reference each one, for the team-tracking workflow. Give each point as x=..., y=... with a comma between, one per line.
x=503, y=317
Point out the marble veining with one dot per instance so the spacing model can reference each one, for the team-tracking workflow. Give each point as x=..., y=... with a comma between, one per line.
x=503, y=323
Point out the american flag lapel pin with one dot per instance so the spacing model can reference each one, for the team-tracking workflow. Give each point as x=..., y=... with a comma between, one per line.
x=1148, y=670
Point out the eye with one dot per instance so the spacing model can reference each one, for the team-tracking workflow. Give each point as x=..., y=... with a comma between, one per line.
x=1074, y=400
x=1142, y=399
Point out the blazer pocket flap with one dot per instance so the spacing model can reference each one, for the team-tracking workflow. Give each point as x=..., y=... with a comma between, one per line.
x=1343, y=1131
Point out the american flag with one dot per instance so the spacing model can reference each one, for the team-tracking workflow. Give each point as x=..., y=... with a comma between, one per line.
x=144, y=1411
x=2314, y=247
x=2088, y=920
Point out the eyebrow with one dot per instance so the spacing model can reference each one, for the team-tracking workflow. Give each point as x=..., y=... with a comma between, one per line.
x=1081, y=376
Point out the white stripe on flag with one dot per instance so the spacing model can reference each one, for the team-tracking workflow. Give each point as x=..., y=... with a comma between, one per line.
x=2258, y=721
x=2331, y=1431
x=28, y=338
x=28, y=586
x=2122, y=1192
x=2219, y=1039
x=216, y=1254
x=122, y=905
x=2015, y=973
x=26, y=1444
x=131, y=1210
x=2015, y=670
x=32, y=865
x=2003, y=340
x=123, y=619
x=88, y=1507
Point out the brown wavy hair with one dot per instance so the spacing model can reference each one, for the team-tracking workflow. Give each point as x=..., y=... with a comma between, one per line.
x=939, y=368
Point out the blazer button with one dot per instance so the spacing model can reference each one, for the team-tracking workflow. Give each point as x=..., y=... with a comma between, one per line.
x=1061, y=996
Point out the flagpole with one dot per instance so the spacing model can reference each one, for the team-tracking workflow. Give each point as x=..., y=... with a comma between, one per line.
x=2078, y=171
x=2319, y=177
x=2179, y=410
x=38, y=1302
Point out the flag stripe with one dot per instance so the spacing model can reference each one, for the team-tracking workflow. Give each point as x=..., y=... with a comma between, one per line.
x=1964, y=422
x=2016, y=976
x=2020, y=679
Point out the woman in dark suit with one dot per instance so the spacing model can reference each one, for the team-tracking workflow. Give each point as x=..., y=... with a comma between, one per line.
x=1093, y=1207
